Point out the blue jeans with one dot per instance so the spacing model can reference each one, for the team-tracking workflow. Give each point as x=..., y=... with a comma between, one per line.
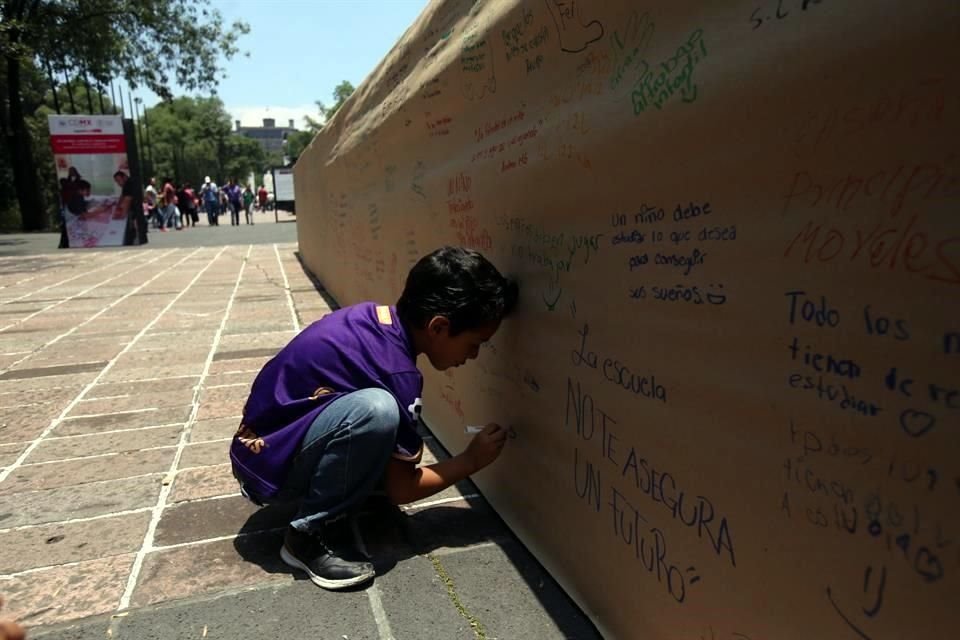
x=343, y=456
x=212, y=209
x=170, y=216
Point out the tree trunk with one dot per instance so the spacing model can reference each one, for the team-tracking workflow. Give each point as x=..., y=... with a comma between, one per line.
x=32, y=211
x=221, y=152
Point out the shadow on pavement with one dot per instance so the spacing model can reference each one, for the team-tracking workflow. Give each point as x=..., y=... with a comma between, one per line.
x=333, y=304
x=392, y=536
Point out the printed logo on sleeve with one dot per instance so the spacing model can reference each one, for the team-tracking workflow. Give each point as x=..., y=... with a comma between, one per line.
x=250, y=440
x=415, y=409
x=321, y=391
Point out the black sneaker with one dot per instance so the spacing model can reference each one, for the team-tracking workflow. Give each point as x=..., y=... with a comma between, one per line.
x=342, y=534
x=330, y=565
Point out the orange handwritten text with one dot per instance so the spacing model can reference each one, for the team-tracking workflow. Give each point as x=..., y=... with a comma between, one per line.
x=498, y=148
x=494, y=126
x=447, y=394
x=439, y=126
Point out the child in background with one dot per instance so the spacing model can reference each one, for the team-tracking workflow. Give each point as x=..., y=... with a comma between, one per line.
x=333, y=415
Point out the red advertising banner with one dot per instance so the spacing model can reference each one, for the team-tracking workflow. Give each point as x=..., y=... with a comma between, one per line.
x=96, y=192
x=88, y=144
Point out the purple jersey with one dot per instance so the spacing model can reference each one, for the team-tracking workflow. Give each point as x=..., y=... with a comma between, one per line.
x=234, y=192
x=358, y=347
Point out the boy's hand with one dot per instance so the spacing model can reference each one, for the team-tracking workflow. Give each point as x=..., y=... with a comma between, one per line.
x=486, y=446
x=10, y=630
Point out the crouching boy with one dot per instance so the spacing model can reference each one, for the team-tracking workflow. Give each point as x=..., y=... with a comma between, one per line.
x=333, y=415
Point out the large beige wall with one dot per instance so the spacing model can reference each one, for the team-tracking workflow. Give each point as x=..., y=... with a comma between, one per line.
x=734, y=374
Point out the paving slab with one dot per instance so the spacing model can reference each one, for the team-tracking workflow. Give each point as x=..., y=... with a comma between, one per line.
x=42, y=365
x=232, y=365
x=204, y=519
x=70, y=356
x=109, y=466
x=66, y=542
x=10, y=452
x=183, y=572
x=103, y=443
x=210, y=518
x=125, y=373
x=92, y=628
x=67, y=591
x=245, y=378
x=169, y=394
x=38, y=394
x=511, y=595
x=133, y=419
x=40, y=383
x=223, y=408
x=266, y=342
x=214, y=429
x=155, y=341
x=160, y=358
x=159, y=388
x=81, y=501
x=26, y=422
x=204, y=482
x=413, y=588
x=204, y=454
x=231, y=395
x=294, y=610
x=454, y=525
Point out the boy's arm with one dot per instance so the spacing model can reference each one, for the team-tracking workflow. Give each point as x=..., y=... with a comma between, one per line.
x=405, y=482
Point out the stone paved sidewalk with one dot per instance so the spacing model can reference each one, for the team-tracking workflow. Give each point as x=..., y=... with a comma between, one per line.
x=122, y=377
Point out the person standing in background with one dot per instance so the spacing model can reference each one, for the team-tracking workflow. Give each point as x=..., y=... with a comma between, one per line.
x=74, y=193
x=130, y=207
x=169, y=212
x=150, y=197
x=211, y=201
x=248, y=204
x=195, y=204
x=234, y=201
x=262, y=197
x=186, y=201
x=223, y=200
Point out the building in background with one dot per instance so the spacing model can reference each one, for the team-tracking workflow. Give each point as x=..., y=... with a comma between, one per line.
x=271, y=137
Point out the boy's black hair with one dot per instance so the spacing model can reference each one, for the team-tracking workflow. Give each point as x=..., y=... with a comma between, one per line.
x=458, y=284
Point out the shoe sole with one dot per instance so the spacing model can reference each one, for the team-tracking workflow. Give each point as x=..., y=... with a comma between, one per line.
x=320, y=581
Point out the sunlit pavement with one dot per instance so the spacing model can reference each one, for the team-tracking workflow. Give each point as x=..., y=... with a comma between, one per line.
x=123, y=373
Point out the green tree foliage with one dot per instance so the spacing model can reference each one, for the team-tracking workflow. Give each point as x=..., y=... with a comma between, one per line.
x=191, y=138
x=298, y=141
x=243, y=157
x=38, y=101
x=34, y=87
x=340, y=94
x=148, y=43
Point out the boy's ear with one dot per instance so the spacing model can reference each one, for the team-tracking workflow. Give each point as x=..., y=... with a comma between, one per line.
x=438, y=325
